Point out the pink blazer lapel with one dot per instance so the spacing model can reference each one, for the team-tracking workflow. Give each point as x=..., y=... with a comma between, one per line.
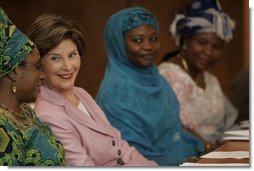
x=98, y=122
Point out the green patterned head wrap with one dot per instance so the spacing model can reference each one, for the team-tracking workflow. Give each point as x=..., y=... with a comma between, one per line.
x=14, y=45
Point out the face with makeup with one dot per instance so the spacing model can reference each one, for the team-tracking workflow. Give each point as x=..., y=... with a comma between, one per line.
x=61, y=66
x=29, y=77
x=142, y=45
x=203, y=50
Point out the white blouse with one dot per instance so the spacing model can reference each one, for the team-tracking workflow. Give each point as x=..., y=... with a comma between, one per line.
x=207, y=112
x=82, y=107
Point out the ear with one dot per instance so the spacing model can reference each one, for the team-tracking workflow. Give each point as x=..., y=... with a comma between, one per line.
x=184, y=47
x=186, y=43
x=15, y=74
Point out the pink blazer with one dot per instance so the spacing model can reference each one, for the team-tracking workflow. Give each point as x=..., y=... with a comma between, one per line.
x=87, y=141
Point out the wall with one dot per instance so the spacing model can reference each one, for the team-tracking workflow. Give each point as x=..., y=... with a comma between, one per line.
x=93, y=14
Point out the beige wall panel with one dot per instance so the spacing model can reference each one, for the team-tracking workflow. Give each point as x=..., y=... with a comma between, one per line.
x=93, y=14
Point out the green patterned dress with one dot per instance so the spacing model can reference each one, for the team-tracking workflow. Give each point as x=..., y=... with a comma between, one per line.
x=27, y=141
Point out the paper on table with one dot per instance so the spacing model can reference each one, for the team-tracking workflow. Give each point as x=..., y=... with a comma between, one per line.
x=235, y=138
x=215, y=164
x=244, y=132
x=244, y=124
x=236, y=135
x=227, y=154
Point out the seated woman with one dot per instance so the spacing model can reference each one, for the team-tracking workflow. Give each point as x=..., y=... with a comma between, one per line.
x=75, y=118
x=200, y=34
x=24, y=140
x=135, y=97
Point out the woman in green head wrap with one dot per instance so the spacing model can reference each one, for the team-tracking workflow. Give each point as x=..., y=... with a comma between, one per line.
x=24, y=140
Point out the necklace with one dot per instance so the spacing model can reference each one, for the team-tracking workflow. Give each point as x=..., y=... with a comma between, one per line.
x=22, y=114
x=198, y=78
x=23, y=120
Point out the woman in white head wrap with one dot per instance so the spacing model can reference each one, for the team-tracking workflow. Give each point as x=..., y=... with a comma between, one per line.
x=200, y=35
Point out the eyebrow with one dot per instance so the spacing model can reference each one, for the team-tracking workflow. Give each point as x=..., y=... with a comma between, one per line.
x=60, y=54
x=75, y=50
x=53, y=54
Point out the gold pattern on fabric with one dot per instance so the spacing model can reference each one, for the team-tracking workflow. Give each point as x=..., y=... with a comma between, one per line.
x=4, y=140
x=33, y=156
x=48, y=163
x=6, y=161
x=31, y=142
x=23, y=120
x=11, y=30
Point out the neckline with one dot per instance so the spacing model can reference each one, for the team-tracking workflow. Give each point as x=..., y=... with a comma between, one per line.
x=185, y=66
x=22, y=114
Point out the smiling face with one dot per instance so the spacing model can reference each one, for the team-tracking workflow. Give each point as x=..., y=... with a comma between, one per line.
x=142, y=45
x=61, y=66
x=203, y=51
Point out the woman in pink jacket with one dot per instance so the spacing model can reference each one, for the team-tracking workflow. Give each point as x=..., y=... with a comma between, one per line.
x=75, y=118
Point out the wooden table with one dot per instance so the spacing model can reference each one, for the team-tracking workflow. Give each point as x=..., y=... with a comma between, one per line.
x=229, y=146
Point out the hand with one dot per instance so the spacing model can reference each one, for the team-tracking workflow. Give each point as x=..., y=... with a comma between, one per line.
x=210, y=147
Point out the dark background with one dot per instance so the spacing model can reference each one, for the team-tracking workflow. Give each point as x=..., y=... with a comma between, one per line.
x=93, y=14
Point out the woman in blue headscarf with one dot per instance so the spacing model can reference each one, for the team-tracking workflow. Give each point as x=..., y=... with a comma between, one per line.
x=200, y=35
x=133, y=95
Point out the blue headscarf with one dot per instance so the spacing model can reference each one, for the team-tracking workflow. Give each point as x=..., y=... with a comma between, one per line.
x=14, y=45
x=202, y=16
x=138, y=101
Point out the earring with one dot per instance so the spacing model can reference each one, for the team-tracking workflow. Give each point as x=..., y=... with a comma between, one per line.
x=184, y=47
x=13, y=87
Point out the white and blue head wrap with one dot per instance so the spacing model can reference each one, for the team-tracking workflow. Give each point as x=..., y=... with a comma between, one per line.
x=202, y=16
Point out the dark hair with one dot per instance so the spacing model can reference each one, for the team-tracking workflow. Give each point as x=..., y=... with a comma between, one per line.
x=48, y=30
x=171, y=54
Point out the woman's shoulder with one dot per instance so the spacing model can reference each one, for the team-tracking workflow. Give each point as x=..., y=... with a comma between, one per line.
x=5, y=121
x=172, y=65
x=82, y=91
x=48, y=112
x=172, y=71
x=10, y=122
x=83, y=94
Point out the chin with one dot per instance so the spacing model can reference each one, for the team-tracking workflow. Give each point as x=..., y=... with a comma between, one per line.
x=33, y=97
x=148, y=65
x=31, y=100
x=68, y=87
